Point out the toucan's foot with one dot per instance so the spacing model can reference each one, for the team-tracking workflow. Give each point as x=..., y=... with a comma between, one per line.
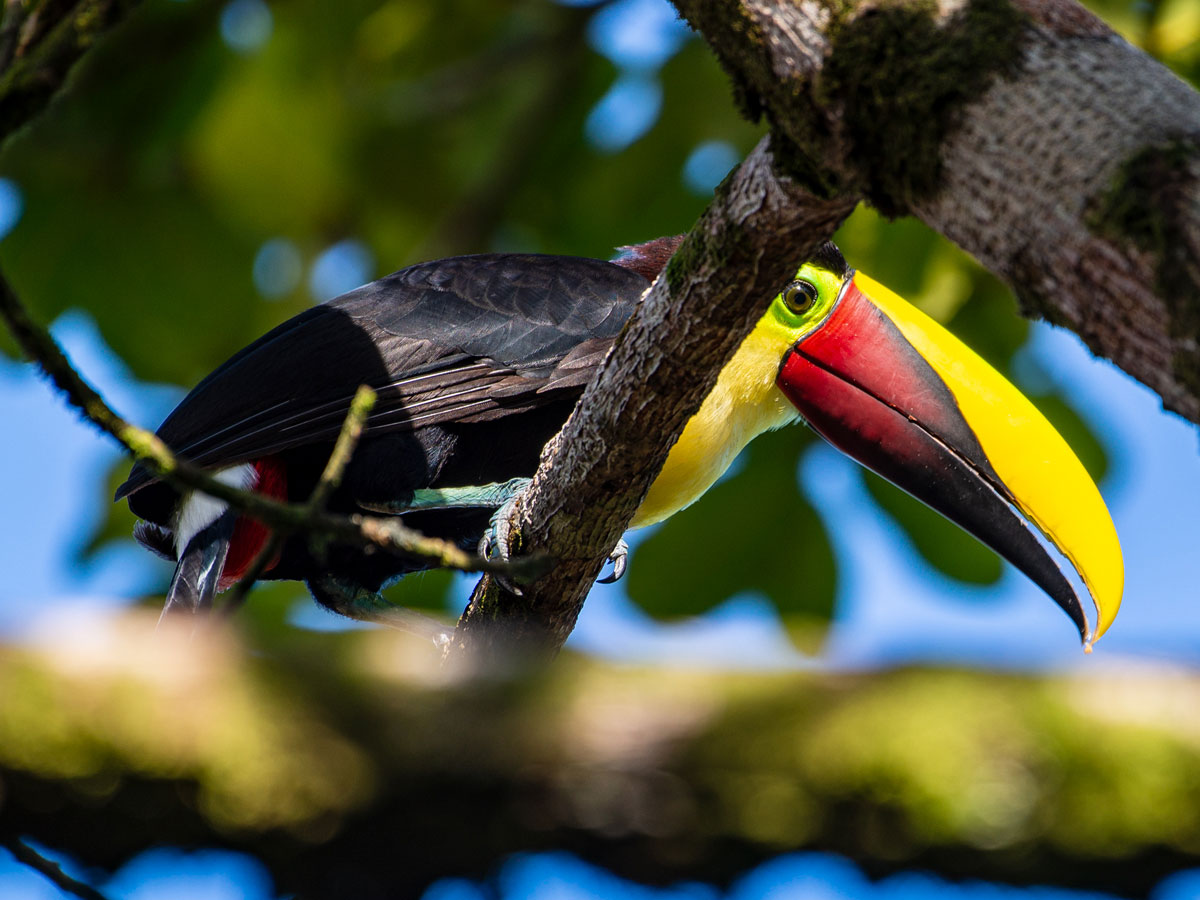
x=497, y=543
x=348, y=598
x=498, y=538
x=620, y=562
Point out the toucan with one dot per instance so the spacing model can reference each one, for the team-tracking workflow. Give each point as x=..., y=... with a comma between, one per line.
x=478, y=360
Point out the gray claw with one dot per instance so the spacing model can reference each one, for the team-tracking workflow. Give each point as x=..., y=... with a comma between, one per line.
x=620, y=562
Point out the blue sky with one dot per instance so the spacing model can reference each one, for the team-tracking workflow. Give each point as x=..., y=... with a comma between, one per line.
x=220, y=875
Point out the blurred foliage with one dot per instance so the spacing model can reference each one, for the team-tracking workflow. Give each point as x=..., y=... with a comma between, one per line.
x=755, y=531
x=1168, y=30
x=358, y=752
x=425, y=128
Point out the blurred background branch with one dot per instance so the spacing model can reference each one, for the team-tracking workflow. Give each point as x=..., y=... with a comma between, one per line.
x=355, y=759
x=40, y=40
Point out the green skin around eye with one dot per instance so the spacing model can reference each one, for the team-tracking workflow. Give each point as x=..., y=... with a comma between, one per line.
x=828, y=287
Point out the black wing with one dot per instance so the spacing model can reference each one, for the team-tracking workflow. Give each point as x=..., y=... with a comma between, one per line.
x=454, y=340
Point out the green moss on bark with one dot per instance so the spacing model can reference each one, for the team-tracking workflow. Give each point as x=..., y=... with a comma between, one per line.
x=1136, y=206
x=683, y=262
x=903, y=78
x=698, y=246
x=799, y=161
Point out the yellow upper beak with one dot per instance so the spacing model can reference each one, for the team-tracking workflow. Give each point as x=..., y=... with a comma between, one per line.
x=1038, y=471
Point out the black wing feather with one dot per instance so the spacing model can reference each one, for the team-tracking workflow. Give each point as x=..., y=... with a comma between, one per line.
x=454, y=340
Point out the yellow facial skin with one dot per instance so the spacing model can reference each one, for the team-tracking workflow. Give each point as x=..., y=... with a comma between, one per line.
x=1043, y=477
x=744, y=403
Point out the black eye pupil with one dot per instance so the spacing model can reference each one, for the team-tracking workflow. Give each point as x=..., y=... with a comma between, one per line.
x=799, y=296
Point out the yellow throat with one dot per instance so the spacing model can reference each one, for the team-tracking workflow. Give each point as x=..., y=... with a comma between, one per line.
x=744, y=403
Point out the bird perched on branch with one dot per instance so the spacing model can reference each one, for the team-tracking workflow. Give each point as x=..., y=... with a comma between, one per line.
x=478, y=360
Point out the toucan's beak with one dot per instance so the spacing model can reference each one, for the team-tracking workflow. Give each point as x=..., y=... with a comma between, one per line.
x=891, y=388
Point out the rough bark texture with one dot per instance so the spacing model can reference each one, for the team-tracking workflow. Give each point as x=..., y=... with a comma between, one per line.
x=1064, y=159
x=1090, y=165
x=352, y=767
x=596, y=471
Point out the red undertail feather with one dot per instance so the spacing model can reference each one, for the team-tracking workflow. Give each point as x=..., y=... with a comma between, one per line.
x=250, y=535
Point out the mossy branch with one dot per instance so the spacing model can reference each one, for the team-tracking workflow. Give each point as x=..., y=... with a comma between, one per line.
x=349, y=753
x=39, y=43
x=1009, y=126
x=284, y=518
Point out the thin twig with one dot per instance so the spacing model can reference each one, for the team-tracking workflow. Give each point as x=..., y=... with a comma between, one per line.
x=51, y=870
x=347, y=441
x=331, y=477
x=388, y=534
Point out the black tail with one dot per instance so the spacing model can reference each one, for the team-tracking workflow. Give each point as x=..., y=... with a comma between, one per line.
x=199, y=569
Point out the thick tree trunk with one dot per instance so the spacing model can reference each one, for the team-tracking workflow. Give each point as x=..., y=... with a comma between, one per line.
x=1064, y=159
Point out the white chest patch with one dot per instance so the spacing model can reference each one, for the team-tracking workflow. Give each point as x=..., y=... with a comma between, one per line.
x=197, y=511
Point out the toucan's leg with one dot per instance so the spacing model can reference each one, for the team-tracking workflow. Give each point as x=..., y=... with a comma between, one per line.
x=483, y=496
x=497, y=540
x=498, y=537
x=349, y=598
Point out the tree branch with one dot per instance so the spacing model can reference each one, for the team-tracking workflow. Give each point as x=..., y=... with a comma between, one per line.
x=347, y=760
x=595, y=472
x=40, y=40
x=1064, y=159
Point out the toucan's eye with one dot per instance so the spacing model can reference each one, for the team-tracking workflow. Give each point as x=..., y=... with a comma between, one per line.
x=799, y=296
